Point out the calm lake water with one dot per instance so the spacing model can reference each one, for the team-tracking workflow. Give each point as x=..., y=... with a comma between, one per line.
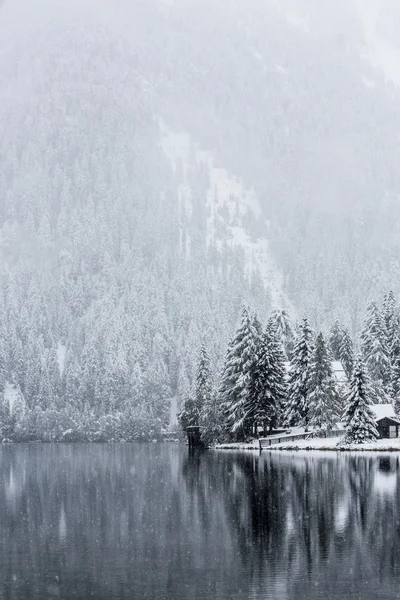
x=153, y=522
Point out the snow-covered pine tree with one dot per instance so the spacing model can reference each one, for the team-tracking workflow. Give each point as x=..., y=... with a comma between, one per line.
x=324, y=406
x=359, y=418
x=297, y=405
x=346, y=353
x=395, y=385
x=390, y=319
x=378, y=360
x=257, y=324
x=370, y=329
x=204, y=379
x=335, y=339
x=375, y=352
x=189, y=414
x=195, y=403
x=237, y=374
x=284, y=330
x=268, y=384
x=3, y=356
x=211, y=419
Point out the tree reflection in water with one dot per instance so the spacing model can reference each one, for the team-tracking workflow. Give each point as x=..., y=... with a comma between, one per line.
x=153, y=521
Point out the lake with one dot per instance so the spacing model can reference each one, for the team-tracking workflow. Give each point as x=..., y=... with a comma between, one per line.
x=154, y=522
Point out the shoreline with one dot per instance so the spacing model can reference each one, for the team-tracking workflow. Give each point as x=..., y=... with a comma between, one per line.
x=317, y=445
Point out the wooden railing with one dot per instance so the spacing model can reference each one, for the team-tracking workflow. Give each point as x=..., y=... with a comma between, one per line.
x=272, y=441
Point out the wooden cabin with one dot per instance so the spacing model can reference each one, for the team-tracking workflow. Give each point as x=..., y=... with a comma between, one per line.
x=387, y=422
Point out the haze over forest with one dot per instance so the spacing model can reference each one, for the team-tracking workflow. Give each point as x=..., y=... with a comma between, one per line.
x=165, y=162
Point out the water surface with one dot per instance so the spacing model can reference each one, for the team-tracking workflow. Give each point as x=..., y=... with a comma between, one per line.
x=153, y=522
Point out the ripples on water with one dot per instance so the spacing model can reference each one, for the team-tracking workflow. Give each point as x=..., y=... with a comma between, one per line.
x=153, y=522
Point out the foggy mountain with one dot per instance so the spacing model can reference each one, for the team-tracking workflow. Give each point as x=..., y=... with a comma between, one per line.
x=163, y=162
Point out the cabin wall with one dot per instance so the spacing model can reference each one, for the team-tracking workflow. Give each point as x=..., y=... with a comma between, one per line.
x=388, y=428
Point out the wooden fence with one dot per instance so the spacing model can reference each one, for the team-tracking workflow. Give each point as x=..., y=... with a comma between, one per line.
x=309, y=435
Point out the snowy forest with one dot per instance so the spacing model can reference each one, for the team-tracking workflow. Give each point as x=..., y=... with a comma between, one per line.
x=163, y=164
x=283, y=376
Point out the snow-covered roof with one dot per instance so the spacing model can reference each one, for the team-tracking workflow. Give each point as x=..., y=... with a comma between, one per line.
x=338, y=371
x=384, y=410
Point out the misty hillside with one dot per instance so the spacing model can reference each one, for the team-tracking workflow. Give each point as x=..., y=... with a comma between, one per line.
x=164, y=161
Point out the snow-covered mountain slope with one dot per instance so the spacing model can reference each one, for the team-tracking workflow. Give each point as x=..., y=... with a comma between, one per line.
x=231, y=208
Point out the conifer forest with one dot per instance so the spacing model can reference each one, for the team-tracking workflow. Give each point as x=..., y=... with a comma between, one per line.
x=199, y=299
x=158, y=173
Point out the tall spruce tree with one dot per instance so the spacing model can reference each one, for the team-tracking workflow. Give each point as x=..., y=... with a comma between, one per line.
x=268, y=384
x=297, y=406
x=211, y=419
x=390, y=319
x=375, y=351
x=237, y=375
x=194, y=404
x=284, y=329
x=323, y=394
x=395, y=386
x=359, y=419
x=346, y=353
x=204, y=379
x=394, y=391
x=256, y=324
x=372, y=328
x=189, y=414
x=335, y=339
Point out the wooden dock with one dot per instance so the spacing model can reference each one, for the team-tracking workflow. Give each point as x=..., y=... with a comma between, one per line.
x=194, y=436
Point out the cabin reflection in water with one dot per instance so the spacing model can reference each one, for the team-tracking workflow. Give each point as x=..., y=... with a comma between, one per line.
x=388, y=464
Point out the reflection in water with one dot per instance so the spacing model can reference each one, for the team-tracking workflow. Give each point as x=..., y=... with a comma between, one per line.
x=152, y=521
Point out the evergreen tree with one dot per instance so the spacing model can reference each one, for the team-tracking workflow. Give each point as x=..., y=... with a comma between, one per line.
x=395, y=386
x=257, y=324
x=284, y=330
x=335, y=339
x=297, y=406
x=72, y=378
x=194, y=406
x=212, y=419
x=189, y=415
x=237, y=374
x=268, y=384
x=378, y=362
x=346, y=353
x=372, y=328
x=359, y=418
x=390, y=319
x=204, y=379
x=3, y=357
x=375, y=351
x=324, y=397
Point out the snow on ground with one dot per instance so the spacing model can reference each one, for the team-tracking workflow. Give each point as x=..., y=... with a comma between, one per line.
x=229, y=204
x=325, y=444
x=384, y=445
